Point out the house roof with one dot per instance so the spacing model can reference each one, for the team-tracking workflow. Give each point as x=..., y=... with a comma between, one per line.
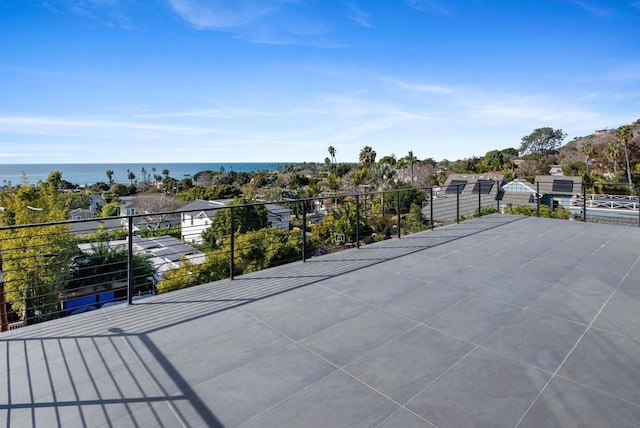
x=127, y=203
x=201, y=205
x=166, y=247
x=473, y=183
x=559, y=185
x=277, y=209
x=79, y=211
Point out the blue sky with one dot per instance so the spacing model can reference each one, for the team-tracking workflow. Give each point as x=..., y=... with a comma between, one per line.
x=282, y=80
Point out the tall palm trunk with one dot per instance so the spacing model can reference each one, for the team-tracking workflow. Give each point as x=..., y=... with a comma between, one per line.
x=626, y=158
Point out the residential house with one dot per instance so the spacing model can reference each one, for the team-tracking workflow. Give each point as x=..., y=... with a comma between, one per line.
x=518, y=192
x=80, y=214
x=142, y=219
x=197, y=216
x=461, y=193
x=558, y=191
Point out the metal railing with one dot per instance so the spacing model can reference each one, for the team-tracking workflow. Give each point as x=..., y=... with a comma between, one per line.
x=51, y=270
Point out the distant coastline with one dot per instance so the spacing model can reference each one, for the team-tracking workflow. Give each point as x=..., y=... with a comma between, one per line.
x=87, y=174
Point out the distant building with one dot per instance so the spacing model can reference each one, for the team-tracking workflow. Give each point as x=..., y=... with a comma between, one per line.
x=143, y=219
x=555, y=170
x=80, y=214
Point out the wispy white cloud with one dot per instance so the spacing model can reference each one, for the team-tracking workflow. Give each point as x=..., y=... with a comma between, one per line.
x=437, y=7
x=274, y=22
x=226, y=113
x=358, y=16
x=420, y=87
x=628, y=73
x=592, y=7
x=222, y=14
x=74, y=126
x=105, y=13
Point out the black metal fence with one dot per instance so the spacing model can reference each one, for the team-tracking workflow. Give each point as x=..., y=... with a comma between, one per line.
x=51, y=270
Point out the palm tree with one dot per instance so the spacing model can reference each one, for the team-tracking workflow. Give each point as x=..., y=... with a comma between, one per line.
x=613, y=151
x=383, y=176
x=131, y=176
x=332, y=153
x=624, y=134
x=411, y=159
x=587, y=151
x=165, y=173
x=110, y=175
x=367, y=156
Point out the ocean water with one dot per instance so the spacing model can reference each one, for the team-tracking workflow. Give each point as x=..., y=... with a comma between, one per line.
x=90, y=173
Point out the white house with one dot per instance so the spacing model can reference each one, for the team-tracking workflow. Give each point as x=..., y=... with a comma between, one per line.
x=197, y=217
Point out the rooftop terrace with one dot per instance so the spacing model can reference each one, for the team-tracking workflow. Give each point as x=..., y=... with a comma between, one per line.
x=497, y=321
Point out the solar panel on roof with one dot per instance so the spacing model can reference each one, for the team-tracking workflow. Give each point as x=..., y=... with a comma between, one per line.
x=565, y=186
x=456, y=186
x=483, y=187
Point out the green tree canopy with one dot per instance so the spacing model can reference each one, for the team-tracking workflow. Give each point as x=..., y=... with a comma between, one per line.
x=247, y=216
x=542, y=141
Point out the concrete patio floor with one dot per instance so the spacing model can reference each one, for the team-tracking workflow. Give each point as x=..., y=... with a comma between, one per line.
x=498, y=321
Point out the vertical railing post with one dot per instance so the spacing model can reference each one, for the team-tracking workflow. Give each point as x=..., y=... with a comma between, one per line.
x=358, y=219
x=584, y=202
x=479, y=198
x=232, y=243
x=538, y=199
x=638, y=205
x=4, y=319
x=130, y=278
x=497, y=195
x=398, y=210
x=457, y=203
x=304, y=230
x=431, y=206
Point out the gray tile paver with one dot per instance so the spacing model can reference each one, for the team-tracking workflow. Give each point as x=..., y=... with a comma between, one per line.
x=405, y=419
x=606, y=362
x=404, y=366
x=620, y=316
x=317, y=316
x=567, y=404
x=424, y=302
x=474, y=318
x=336, y=401
x=485, y=389
x=351, y=339
x=535, y=339
x=239, y=394
x=569, y=303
